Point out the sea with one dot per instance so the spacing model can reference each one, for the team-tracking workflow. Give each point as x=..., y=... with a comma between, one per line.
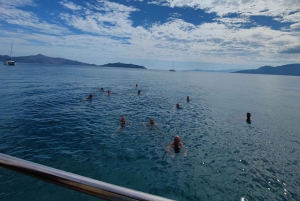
x=46, y=118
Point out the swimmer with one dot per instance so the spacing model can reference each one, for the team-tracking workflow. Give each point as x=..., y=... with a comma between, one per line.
x=139, y=92
x=136, y=85
x=187, y=98
x=90, y=96
x=123, y=121
x=101, y=89
x=151, y=126
x=151, y=122
x=248, y=120
x=108, y=92
x=178, y=106
x=176, y=144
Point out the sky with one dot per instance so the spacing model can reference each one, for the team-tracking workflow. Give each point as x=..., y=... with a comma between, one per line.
x=194, y=34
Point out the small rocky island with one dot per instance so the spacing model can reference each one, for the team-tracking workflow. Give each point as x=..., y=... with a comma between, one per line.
x=122, y=65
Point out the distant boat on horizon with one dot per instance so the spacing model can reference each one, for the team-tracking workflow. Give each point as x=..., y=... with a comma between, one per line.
x=10, y=62
x=172, y=70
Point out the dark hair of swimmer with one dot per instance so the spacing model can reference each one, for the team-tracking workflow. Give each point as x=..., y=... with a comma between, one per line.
x=188, y=98
x=108, y=92
x=177, y=105
x=90, y=96
x=101, y=89
x=139, y=91
x=152, y=121
x=136, y=85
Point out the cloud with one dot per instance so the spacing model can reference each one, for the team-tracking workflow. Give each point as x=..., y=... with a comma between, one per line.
x=113, y=20
x=291, y=50
x=12, y=14
x=243, y=7
x=16, y=3
x=70, y=5
x=108, y=6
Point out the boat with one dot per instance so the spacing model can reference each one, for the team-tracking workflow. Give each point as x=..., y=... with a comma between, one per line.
x=172, y=70
x=10, y=62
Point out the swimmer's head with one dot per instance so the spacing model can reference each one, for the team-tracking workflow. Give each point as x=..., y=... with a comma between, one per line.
x=108, y=91
x=177, y=138
x=151, y=121
x=177, y=105
x=101, y=89
x=188, y=98
x=139, y=91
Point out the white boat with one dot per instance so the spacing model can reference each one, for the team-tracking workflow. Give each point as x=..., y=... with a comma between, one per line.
x=10, y=62
x=172, y=70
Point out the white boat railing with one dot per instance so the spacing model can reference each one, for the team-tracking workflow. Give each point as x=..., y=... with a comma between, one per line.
x=76, y=182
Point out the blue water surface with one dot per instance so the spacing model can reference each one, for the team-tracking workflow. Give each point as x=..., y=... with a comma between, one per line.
x=45, y=117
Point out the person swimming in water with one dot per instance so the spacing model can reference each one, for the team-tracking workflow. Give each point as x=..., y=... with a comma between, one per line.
x=108, y=92
x=248, y=120
x=139, y=91
x=178, y=106
x=123, y=121
x=90, y=96
x=136, y=85
x=101, y=89
x=187, y=98
x=151, y=126
x=176, y=145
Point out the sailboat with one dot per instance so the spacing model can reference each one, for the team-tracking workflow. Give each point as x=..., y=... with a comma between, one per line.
x=172, y=70
x=10, y=62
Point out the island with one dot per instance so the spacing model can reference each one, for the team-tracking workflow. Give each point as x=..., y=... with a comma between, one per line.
x=42, y=59
x=122, y=65
x=289, y=69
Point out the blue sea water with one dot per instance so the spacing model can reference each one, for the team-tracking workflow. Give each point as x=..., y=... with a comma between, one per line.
x=46, y=118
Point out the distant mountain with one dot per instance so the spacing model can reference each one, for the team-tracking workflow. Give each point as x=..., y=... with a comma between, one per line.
x=41, y=59
x=223, y=71
x=122, y=65
x=289, y=69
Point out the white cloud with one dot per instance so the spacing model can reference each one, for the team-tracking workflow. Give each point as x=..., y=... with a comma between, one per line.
x=12, y=14
x=113, y=20
x=70, y=5
x=108, y=6
x=249, y=7
x=16, y=3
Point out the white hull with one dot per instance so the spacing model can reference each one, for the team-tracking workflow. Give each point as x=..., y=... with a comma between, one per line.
x=10, y=63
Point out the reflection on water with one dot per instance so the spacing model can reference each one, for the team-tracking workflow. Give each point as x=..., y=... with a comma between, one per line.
x=45, y=118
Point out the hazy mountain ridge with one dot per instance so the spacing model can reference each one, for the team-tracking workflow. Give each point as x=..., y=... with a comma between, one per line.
x=288, y=69
x=42, y=59
x=214, y=71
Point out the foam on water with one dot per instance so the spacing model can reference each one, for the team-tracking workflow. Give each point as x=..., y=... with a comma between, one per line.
x=46, y=118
